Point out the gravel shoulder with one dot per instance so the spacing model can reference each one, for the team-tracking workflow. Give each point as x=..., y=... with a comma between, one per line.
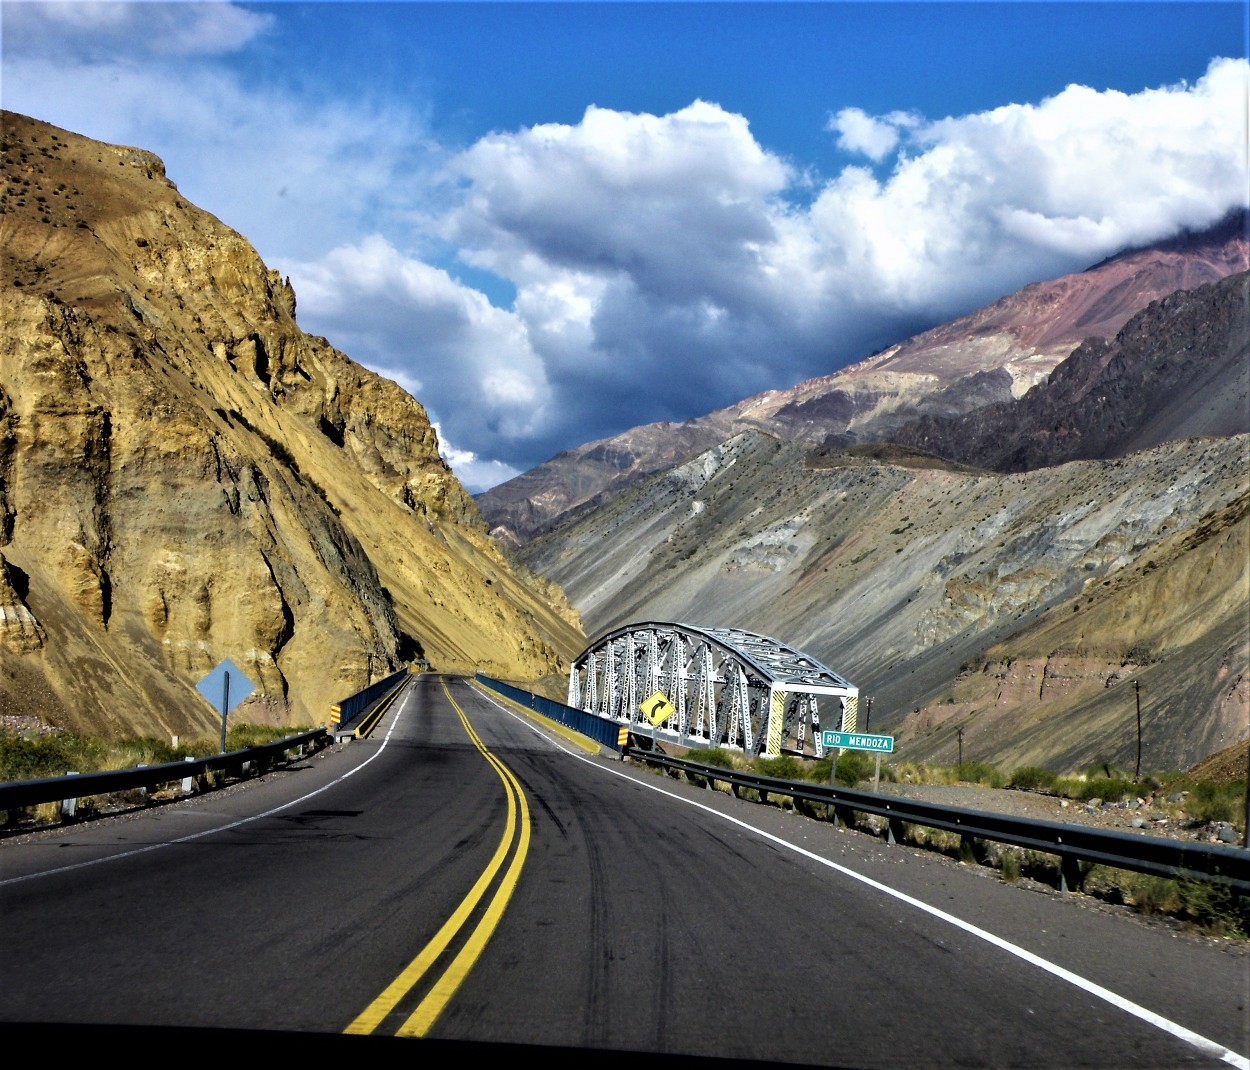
x=1147, y=816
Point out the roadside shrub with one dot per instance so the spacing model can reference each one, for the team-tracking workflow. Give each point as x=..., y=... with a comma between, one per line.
x=245, y=735
x=1102, y=771
x=713, y=756
x=977, y=772
x=143, y=751
x=1111, y=789
x=22, y=758
x=907, y=772
x=936, y=774
x=201, y=748
x=1217, y=802
x=1213, y=808
x=1155, y=895
x=783, y=767
x=1216, y=908
x=853, y=766
x=56, y=755
x=818, y=771
x=1033, y=778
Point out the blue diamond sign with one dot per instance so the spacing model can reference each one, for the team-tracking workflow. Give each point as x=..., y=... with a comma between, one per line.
x=225, y=687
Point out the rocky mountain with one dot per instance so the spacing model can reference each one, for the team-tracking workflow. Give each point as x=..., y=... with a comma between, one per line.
x=186, y=476
x=993, y=355
x=1178, y=369
x=1024, y=612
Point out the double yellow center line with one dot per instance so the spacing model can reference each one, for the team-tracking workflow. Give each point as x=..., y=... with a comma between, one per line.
x=516, y=834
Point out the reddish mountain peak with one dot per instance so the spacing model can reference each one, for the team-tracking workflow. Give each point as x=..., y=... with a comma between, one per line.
x=1059, y=314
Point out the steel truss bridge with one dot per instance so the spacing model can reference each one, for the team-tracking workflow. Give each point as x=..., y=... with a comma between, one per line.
x=711, y=687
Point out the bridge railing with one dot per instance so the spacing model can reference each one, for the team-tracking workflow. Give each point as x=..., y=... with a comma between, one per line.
x=1072, y=845
x=359, y=714
x=600, y=729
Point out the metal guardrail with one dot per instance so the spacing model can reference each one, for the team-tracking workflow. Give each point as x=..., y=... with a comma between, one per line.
x=69, y=788
x=366, y=706
x=359, y=714
x=1072, y=844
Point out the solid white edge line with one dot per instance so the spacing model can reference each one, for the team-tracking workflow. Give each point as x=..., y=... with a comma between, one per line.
x=1204, y=1044
x=217, y=828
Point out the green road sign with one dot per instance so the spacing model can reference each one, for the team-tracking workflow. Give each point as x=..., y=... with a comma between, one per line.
x=856, y=741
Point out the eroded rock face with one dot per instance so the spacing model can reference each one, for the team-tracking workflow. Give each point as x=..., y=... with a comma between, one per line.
x=1178, y=369
x=185, y=476
x=20, y=632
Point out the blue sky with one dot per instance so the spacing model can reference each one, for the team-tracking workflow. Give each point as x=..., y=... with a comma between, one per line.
x=551, y=222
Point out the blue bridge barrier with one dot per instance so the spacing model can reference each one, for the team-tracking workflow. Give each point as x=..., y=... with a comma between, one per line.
x=602, y=731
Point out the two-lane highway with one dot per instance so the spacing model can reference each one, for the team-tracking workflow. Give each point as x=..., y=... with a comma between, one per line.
x=469, y=875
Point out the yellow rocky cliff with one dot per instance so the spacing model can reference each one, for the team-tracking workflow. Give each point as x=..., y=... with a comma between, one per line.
x=185, y=476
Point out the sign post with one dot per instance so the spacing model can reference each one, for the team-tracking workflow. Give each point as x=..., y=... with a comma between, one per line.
x=217, y=682
x=858, y=741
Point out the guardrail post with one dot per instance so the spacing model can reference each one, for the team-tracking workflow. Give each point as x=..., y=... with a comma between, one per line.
x=1070, y=877
x=143, y=788
x=894, y=830
x=69, y=807
x=969, y=849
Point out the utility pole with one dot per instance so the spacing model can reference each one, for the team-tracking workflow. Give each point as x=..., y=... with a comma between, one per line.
x=1137, y=693
x=868, y=714
x=961, y=749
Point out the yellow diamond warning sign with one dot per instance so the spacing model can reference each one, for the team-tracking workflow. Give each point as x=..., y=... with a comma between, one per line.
x=657, y=709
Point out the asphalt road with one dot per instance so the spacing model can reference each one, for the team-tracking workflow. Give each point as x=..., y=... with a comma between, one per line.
x=470, y=880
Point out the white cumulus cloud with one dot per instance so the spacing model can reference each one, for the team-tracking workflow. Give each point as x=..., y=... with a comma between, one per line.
x=107, y=29
x=874, y=136
x=468, y=362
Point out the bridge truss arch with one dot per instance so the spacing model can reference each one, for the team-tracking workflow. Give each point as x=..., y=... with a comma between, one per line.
x=724, y=687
